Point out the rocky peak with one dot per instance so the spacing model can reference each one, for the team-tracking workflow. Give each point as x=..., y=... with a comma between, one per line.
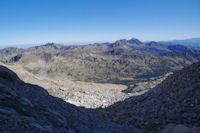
x=50, y=44
x=126, y=42
x=53, y=45
x=121, y=42
x=134, y=41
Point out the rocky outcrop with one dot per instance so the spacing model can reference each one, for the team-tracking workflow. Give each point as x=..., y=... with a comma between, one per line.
x=176, y=100
x=29, y=108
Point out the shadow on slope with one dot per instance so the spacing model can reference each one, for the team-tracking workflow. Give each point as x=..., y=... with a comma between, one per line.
x=29, y=108
x=175, y=100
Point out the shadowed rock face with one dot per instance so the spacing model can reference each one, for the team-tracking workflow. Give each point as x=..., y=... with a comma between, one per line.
x=29, y=108
x=175, y=100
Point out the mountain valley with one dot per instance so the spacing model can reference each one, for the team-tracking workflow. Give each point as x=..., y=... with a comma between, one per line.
x=116, y=62
x=125, y=86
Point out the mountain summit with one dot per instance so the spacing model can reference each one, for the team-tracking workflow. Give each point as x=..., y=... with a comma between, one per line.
x=134, y=41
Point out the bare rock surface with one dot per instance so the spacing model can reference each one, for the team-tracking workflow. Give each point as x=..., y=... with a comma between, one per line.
x=90, y=95
x=86, y=94
x=29, y=108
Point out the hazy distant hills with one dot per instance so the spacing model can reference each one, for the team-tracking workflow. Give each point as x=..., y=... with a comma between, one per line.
x=116, y=62
x=195, y=42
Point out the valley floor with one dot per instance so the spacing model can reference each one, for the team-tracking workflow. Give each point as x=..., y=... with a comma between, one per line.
x=86, y=94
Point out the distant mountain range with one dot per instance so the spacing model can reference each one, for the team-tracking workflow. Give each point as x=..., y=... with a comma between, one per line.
x=195, y=42
x=114, y=62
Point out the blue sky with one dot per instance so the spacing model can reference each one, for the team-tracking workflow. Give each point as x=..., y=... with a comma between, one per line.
x=41, y=21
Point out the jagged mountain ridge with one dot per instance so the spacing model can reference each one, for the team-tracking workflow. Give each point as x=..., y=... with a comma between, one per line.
x=106, y=62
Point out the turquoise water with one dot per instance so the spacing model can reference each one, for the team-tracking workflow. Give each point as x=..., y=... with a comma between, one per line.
x=148, y=76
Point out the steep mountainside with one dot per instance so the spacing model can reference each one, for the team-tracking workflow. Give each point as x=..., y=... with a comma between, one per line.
x=176, y=100
x=116, y=62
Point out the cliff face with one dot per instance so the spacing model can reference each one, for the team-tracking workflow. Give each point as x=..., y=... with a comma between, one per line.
x=176, y=100
x=29, y=108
